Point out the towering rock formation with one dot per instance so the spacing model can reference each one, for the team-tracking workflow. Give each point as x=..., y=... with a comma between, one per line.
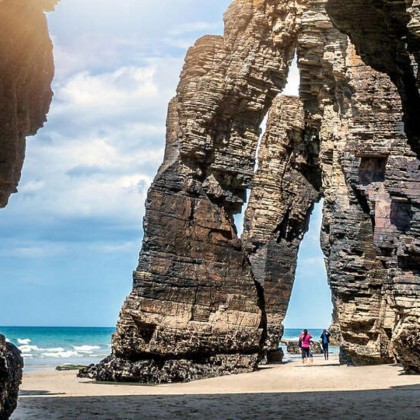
x=26, y=72
x=205, y=302
x=364, y=150
x=286, y=185
x=387, y=35
x=195, y=309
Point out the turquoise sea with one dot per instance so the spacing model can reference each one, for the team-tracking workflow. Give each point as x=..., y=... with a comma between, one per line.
x=53, y=346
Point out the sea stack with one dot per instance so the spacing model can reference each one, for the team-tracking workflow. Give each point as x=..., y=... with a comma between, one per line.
x=206, y=302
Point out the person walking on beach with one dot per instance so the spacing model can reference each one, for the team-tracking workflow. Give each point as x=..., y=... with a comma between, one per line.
x=305, y=340
x=325, y=339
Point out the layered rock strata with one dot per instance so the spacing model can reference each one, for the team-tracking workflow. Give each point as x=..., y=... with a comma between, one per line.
x=11, y=364
x=205, y=302
x=26, y=72
x=195, y=301
x=387, y=35
x=381, y=167
x=286, y=185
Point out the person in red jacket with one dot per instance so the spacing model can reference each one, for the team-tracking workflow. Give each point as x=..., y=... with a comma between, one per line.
x=305, y=345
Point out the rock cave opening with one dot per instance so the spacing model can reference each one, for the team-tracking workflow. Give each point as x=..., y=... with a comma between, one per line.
x=291, y=89
x=310, y=301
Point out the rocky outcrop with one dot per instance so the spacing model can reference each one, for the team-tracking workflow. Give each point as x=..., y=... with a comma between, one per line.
x=26, y=72
x=11, y=364
x=205, y=302
x=195, y=298
x=387, y=37
x=382, y=170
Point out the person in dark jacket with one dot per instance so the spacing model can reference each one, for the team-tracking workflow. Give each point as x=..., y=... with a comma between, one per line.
x=325, y=339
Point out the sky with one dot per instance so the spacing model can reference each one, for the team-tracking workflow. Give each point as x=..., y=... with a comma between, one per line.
x=72, y=235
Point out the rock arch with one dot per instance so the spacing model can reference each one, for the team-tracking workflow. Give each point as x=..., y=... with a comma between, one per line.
x=206, y=303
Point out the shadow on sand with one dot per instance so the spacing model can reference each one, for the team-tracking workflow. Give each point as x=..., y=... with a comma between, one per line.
x=402, y=402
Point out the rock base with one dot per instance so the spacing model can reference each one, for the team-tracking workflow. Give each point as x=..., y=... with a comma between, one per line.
x=11, y=364
x=275, y=356
x=351, y=358
x=153, y=371
x=408, y=347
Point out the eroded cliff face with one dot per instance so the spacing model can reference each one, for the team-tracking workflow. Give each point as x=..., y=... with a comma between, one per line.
x=384, y=175
x=387, y=36
x=370, y=183
x=196, y=309
x=205, y=302
x=26, y=72
x=286, y=185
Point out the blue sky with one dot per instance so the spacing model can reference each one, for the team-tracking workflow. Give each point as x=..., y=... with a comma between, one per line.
x=71, y=236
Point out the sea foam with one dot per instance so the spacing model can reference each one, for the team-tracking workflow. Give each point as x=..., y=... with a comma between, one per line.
x=86, y=348
x=61, y=354
x=28, y=349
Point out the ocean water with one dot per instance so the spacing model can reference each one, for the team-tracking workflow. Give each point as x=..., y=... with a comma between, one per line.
x=53, y=346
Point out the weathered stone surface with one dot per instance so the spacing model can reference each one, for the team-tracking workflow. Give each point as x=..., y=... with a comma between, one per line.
x=26, y=72
x=285, y=187
x=381, y=170
x=275, y=356
x=11, y=364
x=387, y=37
x=170, y=370
x=194, y=295
x=335, y=333
x=407, y=345
x=204, y=300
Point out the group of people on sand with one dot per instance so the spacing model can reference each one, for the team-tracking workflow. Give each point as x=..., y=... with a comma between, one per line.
x=305, y=341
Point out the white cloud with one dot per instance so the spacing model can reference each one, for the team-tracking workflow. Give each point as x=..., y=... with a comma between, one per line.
x=102, y=146
x=112, y=248
x=121, y=88
x=181, y=43
x=29, y=249
x=89, y=177
x=31, y=186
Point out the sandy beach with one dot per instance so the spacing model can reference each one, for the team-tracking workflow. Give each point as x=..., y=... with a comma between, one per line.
x=287, y=391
